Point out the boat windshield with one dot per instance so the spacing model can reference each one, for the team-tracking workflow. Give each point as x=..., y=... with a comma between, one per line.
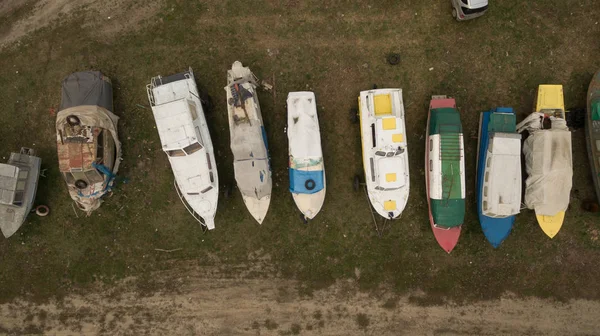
x=399, y=151
x=193, y=148
x=175, y=152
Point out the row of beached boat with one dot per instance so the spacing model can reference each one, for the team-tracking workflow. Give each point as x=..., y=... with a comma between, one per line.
x=89, y=153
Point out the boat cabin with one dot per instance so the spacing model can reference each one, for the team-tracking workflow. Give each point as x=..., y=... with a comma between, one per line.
x=181, y=138
x=388, y=142
x=501, y=194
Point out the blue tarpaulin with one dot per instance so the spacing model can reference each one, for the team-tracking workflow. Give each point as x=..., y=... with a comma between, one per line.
x=306, y=182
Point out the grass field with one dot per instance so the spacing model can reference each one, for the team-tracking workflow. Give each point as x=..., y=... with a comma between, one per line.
x=335, y=48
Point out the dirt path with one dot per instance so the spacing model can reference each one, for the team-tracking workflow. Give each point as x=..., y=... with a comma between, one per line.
x=201, y=301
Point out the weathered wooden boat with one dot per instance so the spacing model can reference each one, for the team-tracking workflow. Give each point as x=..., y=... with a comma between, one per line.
x=89, y=150
x=592, y=130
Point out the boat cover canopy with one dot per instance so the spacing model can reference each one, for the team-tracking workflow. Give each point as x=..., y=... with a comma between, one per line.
x=87, y=88
x=502, y=180
x=306, y=182
x=549, y=165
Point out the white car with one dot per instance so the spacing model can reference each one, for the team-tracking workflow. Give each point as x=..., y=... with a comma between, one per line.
x=185, y=139
x=468, y=9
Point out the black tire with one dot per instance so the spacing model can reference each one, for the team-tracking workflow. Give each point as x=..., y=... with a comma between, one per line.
x=393, y=59
x=354, y=115
x=81, y=184
x=356, y=183
x=310, y=184
x=73, y=120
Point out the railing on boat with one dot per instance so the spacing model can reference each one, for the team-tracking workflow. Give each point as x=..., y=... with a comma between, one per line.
x=194, y=214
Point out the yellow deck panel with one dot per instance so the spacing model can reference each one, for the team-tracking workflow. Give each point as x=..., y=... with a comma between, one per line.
x=551, y=224
x=383, y=104
x=390, y=177
x=389, y=205
x=399, y=137
x=550, y=97
x=388, y=123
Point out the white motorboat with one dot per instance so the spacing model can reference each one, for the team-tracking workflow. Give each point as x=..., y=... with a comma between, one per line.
x=306, y=167
x=185, y=138
x=248, y=141
x=385, y=150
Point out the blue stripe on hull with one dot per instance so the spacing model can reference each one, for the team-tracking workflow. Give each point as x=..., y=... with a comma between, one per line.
x=495, y=229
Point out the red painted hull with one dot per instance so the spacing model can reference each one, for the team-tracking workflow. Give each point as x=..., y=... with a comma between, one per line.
x=446, y=238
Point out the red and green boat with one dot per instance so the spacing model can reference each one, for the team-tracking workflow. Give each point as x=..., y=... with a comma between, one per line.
x=445, y=165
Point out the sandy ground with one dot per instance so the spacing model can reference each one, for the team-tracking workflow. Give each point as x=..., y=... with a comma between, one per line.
x=202, y=301
x=107, y=17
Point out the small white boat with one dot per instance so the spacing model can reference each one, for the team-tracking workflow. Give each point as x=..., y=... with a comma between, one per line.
x=18, y=185
x=248, y=141
x=306, y=167
x=385, y=150
x=185, y=139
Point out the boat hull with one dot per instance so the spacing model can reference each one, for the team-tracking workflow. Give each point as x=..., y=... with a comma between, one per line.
x=496, y=230
x=446, y=237
x=592, y=131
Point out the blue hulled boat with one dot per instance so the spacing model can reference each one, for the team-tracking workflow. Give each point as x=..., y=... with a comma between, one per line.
x=498, y=173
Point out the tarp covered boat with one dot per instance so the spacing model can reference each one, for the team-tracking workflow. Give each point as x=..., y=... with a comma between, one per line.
x=548, y=159
x=385, y=150
x=186, y=140
x=248, y=141
x=306, y=166
x=89, y=150
x=445, y=171
x=18, y=185
x=498, y=173
x=592, y=130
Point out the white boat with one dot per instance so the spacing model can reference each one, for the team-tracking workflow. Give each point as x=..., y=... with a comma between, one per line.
x=18, y=185
x=248, y=141
x=306, y=167
x=385, y=150
x=185, y=139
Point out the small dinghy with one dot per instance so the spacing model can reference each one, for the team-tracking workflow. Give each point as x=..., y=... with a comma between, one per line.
x=306, y=167
x=185, y=138
x=498, y=173
x=548, y=159
x=18, y=185
x=592, y=130
x=385, y=150
x=89, y=150
x=445, y=171
x=248, y=141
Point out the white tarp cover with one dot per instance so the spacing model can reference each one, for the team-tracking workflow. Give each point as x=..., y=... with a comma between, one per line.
x=549, y=166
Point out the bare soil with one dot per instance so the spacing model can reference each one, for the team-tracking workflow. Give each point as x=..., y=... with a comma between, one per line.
x=194, y=300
